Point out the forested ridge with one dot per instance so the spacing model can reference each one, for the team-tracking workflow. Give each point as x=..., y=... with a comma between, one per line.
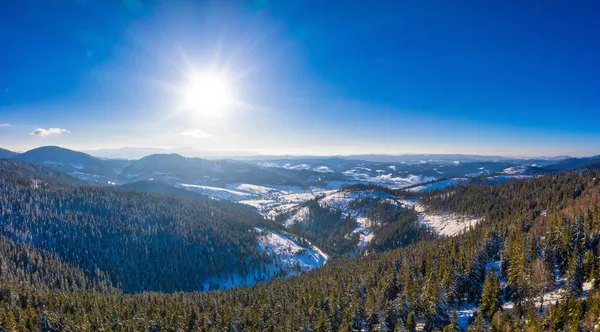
x=326, y=228
x=541, y=233
x=141, y=241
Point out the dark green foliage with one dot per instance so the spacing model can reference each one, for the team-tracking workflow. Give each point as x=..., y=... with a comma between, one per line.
x=453, y=326
x=142, y=241
x=397, y=226
x=417, y=284
x=575, y=276
x=491, y=301
x=21, y=263
x=327, y=229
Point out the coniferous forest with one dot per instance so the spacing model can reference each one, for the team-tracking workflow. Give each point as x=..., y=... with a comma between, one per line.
x=81, y=258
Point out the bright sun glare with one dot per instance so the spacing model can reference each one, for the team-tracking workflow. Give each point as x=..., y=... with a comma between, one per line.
x=207, y=94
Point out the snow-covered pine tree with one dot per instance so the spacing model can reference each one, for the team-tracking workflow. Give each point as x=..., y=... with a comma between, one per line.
x=436, y=316
x=575, y=276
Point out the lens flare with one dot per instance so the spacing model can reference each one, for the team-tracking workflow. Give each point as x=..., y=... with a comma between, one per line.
x=207, y=94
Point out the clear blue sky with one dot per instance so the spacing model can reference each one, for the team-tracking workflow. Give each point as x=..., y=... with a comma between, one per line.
x=308, y=77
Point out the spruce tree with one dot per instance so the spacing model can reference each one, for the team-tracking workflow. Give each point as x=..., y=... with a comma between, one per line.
x=411, y=322
x=453, y=326
x=490, y=298
x=436, y=316
x=575, y=276
x=478, y=325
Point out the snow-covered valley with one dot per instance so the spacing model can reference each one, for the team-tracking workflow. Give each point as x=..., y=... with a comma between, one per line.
x=289, y=257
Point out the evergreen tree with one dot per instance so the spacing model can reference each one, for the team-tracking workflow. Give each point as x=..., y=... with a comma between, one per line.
x=575, y=276
x=589, y=264
x=491, y=297
x=436, y=316
x=453, y=326
x=411, y=322
x=478, y=325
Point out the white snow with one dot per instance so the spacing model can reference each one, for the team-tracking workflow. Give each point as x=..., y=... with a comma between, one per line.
x=300, y=217
x=288, y=252
x=366, y=235
x=216, y=192
x=297, y=167
x=273, y=201
x=341, y=199
x=514, y=170
x=358, y=174
x=551, y=297
x=446, y=224
x=464, y=313
x=77, y=166
x=262, y=191
x=337, y=200
x=323, y=169
x=289, y=258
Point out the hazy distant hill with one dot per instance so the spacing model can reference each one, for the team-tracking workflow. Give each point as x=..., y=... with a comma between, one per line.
x=5, y=154
x=74, y=163
x=572, y=162
x=23, y=170
x=175, y=168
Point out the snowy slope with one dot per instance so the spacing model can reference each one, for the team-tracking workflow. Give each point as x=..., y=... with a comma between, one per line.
x=216, y=192
x=289, y=258
x=363, y=174
x=341, y=200
x=288, y=253
x=446, y=224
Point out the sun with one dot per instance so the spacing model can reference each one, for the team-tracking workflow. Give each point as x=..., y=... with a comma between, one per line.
x=207, y=94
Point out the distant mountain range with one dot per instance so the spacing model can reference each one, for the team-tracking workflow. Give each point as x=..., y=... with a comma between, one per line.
x=301, y=172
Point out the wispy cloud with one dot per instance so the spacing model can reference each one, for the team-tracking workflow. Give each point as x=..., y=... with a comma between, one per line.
x=50, y=131
x=4, y=125
x=196, y=133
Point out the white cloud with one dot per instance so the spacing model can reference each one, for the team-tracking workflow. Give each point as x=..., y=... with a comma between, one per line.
x=196, y=133
x=50, y=131
x=4, y=125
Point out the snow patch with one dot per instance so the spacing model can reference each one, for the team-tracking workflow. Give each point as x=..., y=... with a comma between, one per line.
x=445, y=224
x=514, y=170
x=358, y=174
x=77, y=166
x=300, y=217
x=366, y=236
x=288, y=252
x=297, y=167
x=216, y=192
x=323, y=169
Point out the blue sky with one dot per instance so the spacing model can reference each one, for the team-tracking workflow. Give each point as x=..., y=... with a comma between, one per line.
x=308, y=77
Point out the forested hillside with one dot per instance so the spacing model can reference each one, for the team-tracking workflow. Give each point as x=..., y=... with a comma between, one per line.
x=532, y=264
x=140, y=241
